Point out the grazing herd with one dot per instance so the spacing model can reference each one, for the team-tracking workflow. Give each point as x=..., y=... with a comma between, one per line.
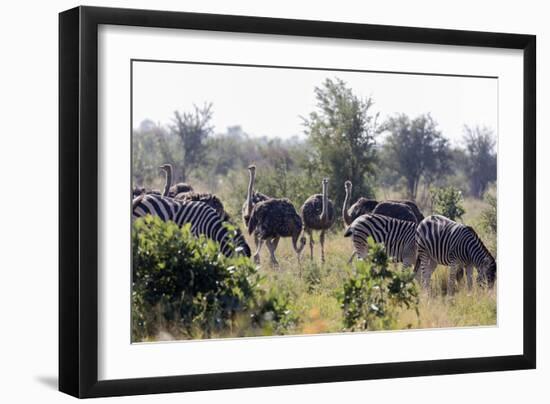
x=408, y=237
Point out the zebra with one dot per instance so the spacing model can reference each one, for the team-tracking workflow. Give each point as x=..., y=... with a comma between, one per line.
x=398, y=236
x=443, y=241
x=203, y=219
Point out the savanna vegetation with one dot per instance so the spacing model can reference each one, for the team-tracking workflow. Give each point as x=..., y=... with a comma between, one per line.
x=183, y=288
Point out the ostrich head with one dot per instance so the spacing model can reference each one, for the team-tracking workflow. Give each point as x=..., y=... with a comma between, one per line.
x=252, y=168
x=347, y=186
x=166, y=167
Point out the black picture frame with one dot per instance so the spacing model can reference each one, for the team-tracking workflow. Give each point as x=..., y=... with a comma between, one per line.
x=78, y=201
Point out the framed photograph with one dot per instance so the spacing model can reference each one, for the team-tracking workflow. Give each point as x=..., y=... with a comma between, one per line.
x=250, y=201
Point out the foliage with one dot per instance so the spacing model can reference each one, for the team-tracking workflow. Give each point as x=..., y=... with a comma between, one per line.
x=372, y=296
x=481, y=159
x=447, y=202
x=488, y=219
x=341, y=131
x=192, y=130
x=273, y=313
x=185, y=279
x=416, y=150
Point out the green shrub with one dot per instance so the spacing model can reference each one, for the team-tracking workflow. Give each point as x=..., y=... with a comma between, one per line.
x=185, y=282
x=373, y=295
x=273, y=314
x=447, y=202
x=488, y=220
x=188, y=276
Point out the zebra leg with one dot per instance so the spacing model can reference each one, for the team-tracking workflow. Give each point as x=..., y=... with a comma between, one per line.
x=322, y=241
x=353, y=254
x=272, y=246
x=427, y=268
x=257, y=253
x=459, y=274
x=451, y=282
x=469, y=273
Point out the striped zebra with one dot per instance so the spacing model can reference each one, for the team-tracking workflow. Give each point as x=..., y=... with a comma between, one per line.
x=398, y=236
x=204, y=220
x=443, y=241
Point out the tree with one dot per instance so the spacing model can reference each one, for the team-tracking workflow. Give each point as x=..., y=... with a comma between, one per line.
x=447, y=202
x=416, y=150
x=481, y=158
x=341, y=132
x=192, y=129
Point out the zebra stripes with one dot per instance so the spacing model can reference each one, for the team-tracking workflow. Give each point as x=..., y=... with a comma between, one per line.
x=203, y=219
x=398, y=236
x=443, y=241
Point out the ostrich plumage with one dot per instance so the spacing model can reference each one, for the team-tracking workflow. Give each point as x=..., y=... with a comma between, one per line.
x=209, y=199
x=273, y=219
x=414, y=207
x=179, y=188
x=318, y=214
x=256, y=198
x=360, y=207
x=397, y=210
x=137, y=191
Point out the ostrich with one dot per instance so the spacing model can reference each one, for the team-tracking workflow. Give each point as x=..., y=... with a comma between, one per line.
x=173, y=190
x=318, y=214
x=180, y=187
x=209, y=199
x=272, y=219
x=167, y=169
x=397, y=210
x=361, y=207
x=414, y=207
x=252, y=197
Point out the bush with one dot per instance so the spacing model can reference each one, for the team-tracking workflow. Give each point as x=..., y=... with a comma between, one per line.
x=188, y=276
x=185, y=281
x=447, y=202
x=488, y=220
x=372, y=296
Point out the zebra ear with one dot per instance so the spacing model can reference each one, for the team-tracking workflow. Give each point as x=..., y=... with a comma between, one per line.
x=348, y=232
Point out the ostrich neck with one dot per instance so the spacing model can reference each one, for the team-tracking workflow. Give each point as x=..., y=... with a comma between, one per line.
x=249, y=194
x=168, y=183
x=345, y=210
x=324, y=212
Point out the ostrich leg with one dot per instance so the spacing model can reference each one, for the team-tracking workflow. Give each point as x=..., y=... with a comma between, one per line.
x=257, y=253
x=272, y=246
x=322, y=241
x=310, y=233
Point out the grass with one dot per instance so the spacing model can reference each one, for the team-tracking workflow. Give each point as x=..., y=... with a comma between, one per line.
x=312, y=290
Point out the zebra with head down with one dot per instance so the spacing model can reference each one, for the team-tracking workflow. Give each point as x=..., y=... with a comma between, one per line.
x=203, y=219
x=443, y=241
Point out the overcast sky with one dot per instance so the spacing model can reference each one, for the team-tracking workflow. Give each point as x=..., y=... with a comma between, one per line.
x=269, y=102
